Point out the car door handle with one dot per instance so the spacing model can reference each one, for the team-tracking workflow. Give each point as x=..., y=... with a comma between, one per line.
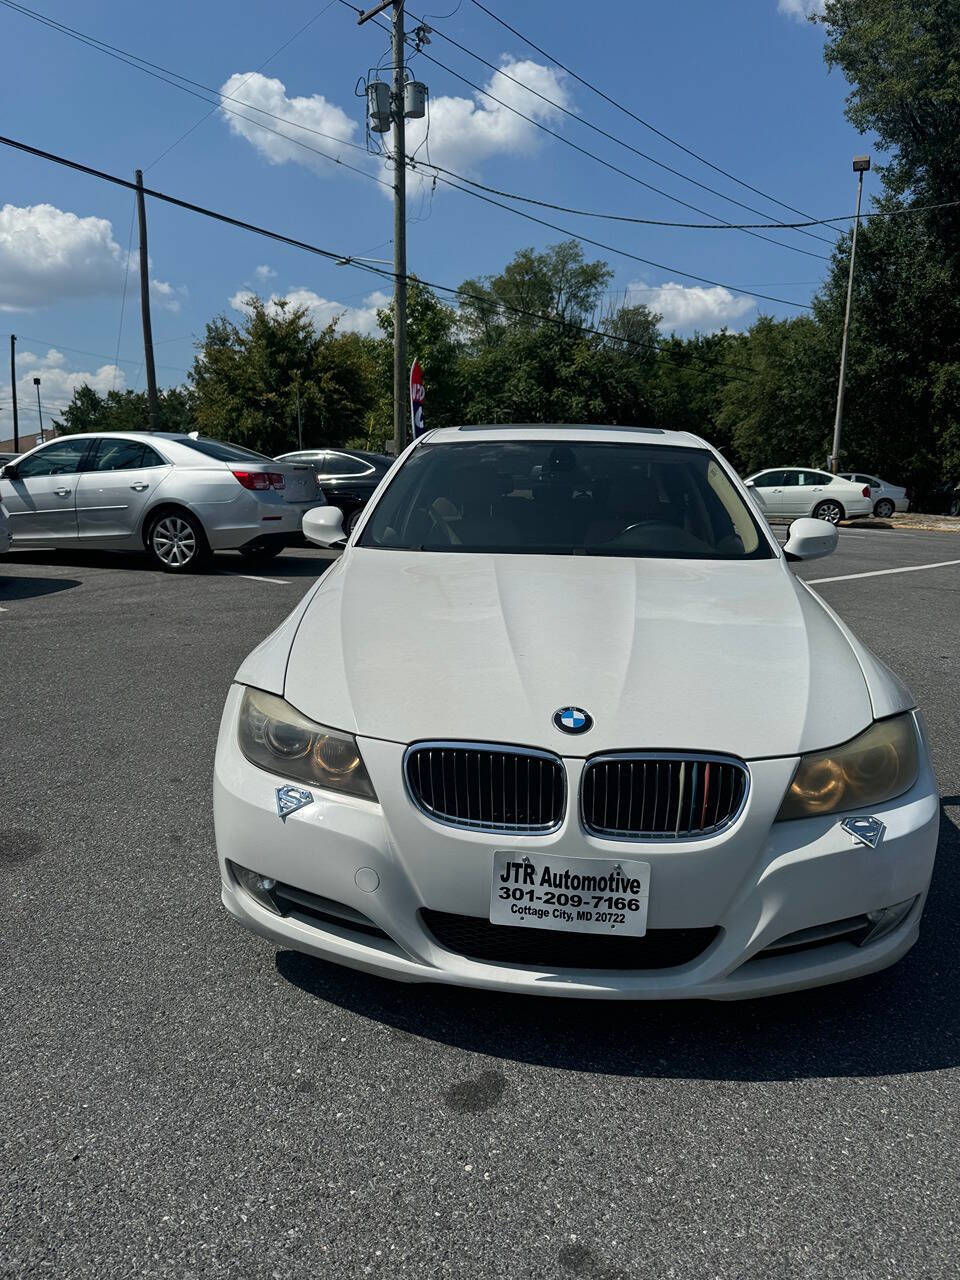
x=63, y=493
x=139, y=486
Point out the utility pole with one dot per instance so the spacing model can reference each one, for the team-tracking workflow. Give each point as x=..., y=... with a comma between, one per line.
x=860, y=166
x=154, y=408
x=296, y=387
x=13, y=392
x=399, y=221
x=399, y=239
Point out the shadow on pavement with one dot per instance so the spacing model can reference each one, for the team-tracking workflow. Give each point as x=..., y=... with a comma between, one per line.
x=26, y=588
x=905, y=1019
x=295, y=563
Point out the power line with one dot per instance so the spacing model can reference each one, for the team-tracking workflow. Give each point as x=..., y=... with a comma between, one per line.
x=332, y=255
x=609, y=248
x=611, y=136
x=327, y=253
x=583, y=150
x=135, y=61
x=142, y=65
x=633, y=116
x=690, y=226
x=96, y=355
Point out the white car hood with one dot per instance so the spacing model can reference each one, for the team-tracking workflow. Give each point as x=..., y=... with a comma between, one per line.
x=721, y=656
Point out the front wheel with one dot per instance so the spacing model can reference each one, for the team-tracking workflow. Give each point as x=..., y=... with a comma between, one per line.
x=830, y=511
x=177, y=543
x=955, y=507
x=884, y=509
x=354, y=518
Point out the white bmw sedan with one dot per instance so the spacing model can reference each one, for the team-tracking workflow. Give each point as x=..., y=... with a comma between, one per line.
x=562, y=720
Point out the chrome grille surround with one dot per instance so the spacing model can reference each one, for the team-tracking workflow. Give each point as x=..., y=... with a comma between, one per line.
x=694, y=794
x=457, y=784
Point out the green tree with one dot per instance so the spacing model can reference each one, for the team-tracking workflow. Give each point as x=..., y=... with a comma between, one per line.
x=775, y=402
x=248, y=378
x=88, y=410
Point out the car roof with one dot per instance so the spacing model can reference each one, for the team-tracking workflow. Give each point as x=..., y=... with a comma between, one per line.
x=564, y=430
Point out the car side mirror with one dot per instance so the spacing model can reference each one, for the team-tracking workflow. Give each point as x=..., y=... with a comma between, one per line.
x=324, y=526
x=9, y=472
x=749, y=484
x=810, y=539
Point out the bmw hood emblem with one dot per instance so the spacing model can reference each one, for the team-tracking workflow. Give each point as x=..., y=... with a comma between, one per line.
x=573, y=720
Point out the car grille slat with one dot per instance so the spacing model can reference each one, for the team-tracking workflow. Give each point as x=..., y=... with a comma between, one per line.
x=487, y=787
x=671, y=796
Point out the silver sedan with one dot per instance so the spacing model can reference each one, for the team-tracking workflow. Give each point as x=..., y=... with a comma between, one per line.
x=180, y=497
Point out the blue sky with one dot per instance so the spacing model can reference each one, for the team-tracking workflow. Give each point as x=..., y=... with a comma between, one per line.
x=742, y=83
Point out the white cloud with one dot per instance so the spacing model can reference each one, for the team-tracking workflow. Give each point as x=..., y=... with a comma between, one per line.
x=466, y=131
x=270, y=95
x=688, y=307
x=463, y=132
x=801, y=9
x=322, y=310
x=166, y=296
x=264, y=272
x=57, y=383
x=48, y=255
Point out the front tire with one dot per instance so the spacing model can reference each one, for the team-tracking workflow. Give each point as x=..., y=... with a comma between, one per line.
x=884, y=509
x=177, y=543
x=955, y=507
x=830, y=511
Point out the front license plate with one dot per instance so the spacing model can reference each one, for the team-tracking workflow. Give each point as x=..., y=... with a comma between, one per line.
x=583, y=895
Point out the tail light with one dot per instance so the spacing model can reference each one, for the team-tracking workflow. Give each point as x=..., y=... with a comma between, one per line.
x=866, y=491
x=260, y=479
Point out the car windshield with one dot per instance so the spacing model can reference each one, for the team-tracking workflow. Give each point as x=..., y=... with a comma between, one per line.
x=550, y=497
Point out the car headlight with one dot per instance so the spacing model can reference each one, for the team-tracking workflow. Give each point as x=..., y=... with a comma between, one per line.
x=276, y=737
x=879, y=764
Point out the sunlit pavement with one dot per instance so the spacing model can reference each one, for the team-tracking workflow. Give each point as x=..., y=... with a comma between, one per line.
x=180, y=1100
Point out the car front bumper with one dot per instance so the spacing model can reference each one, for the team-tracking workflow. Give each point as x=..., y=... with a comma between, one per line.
x=758, y=882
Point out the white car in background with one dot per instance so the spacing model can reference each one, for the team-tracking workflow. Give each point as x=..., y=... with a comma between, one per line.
x=887, y=498
x=801, y=491
x=562, y=720
x=179, y=497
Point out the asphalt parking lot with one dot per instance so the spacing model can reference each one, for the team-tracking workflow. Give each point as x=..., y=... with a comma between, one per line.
x=178, y=1099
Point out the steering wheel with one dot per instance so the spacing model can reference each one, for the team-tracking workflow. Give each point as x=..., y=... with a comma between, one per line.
x=440, y=525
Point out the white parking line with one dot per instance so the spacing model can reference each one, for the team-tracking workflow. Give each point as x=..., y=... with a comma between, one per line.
x=250, y=577
x=877, y=573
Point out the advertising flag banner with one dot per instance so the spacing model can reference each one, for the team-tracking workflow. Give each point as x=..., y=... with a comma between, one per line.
x=417, y=396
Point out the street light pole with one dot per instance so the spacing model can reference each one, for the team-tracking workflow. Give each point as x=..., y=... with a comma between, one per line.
x=36, y=383
x=860, y=166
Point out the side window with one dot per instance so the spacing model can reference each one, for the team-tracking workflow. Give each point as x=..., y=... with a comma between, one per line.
x=819, y=477
x=789, y=479
x=769, y=479
x=61, y=458
x=124, y=455
x=337, y=465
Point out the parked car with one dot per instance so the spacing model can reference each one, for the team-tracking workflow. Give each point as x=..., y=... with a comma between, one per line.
x=887, y=498
x=802, y=491
x=942, y=499
x=180, y=497
x=587, y=737
x=347, y=477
